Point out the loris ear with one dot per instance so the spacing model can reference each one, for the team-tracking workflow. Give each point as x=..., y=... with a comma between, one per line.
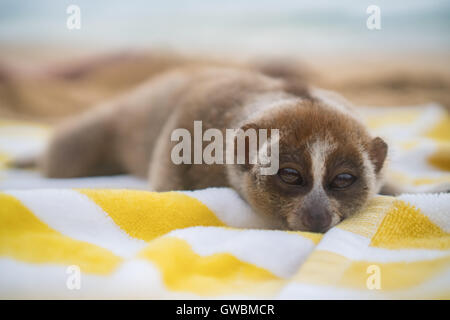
x=378, y=152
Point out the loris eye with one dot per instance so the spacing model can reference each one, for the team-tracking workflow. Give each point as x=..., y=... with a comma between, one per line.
x=342, y=181
x=290, y=176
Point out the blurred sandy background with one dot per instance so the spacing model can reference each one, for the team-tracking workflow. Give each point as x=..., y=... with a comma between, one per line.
x=48, y=71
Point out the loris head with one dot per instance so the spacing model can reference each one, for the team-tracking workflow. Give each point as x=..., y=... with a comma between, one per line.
x=329, y=166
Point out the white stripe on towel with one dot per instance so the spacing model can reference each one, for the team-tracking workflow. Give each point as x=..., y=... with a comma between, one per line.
x=76, y=216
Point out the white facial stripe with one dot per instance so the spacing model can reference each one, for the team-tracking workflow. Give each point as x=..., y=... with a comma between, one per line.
x=319, y=151
x=369, y=170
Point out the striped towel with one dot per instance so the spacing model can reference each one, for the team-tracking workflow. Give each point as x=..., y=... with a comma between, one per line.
x=73, y=238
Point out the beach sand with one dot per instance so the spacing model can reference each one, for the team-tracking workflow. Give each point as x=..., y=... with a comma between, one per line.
x=48, y=84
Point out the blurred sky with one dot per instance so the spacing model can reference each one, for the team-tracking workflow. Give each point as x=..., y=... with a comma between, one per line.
x=231, y=26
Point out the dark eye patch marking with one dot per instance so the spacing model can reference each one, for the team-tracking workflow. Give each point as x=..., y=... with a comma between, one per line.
x=342, y=181
x=349, y=192
x=291, y=176
x=297, y=158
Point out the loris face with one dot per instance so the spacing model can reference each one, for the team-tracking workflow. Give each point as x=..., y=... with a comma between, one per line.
x=329, y=167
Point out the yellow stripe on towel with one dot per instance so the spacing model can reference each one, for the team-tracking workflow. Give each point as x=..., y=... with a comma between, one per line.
x=404, y=226
x=440, y=159
x=332, y=269
x=218, y=274
x=441, y=131
x=313, y=236
x=24, y=237
x=365, y=223
x=147, y=215
x=4, y=158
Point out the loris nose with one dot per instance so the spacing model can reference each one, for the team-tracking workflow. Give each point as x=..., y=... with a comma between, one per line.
x=316, y=219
